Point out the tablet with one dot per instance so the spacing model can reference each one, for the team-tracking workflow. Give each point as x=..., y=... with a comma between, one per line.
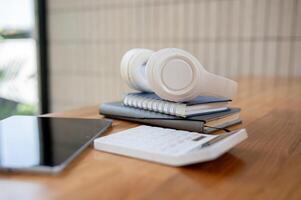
x=45, y=144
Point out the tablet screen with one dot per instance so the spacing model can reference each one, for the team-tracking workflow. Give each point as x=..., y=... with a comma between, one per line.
x=29, y=143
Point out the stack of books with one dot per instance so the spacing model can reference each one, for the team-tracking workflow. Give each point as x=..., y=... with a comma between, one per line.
x=203, y=114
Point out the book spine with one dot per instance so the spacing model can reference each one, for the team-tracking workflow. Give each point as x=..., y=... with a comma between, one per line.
x=173, y=124
x=155, y=105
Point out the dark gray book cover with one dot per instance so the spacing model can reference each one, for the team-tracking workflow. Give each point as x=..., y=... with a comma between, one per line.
x=195, y=123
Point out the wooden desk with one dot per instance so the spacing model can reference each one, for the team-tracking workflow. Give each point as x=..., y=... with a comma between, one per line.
x=266, y=166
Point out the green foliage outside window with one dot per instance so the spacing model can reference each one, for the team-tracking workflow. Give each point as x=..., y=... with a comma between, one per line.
x=8, y=107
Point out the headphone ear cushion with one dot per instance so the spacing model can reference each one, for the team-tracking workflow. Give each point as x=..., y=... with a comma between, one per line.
x=124, y=65
x=174, y=74
x=131, y=65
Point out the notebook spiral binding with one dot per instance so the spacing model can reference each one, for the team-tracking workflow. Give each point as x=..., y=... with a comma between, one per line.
x=155, y=105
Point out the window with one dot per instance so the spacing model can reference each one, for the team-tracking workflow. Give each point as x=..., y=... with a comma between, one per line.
x=18, y=59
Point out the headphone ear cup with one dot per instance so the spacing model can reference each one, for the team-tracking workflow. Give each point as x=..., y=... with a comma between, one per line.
x=174, y=74
x=132, y=68
x=124, y=66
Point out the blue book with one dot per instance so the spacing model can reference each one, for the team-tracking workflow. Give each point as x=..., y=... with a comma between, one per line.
x=197, y=106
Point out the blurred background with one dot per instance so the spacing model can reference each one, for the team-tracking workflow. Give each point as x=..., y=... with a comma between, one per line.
x=85, y=40
x=18, y=60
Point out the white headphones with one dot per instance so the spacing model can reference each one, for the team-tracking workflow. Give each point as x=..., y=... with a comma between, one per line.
x=173, y=74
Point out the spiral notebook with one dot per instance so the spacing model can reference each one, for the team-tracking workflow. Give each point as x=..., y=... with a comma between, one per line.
x=200, y=105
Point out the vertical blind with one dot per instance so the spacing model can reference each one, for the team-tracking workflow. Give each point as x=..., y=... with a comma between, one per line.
x=234, y=38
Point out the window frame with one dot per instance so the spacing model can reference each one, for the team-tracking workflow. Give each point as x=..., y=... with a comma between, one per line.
x=42, y=55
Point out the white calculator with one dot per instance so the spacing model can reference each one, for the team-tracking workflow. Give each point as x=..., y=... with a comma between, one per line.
x=169, y=146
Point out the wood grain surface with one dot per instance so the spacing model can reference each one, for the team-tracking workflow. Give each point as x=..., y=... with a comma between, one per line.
x=265, y=166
